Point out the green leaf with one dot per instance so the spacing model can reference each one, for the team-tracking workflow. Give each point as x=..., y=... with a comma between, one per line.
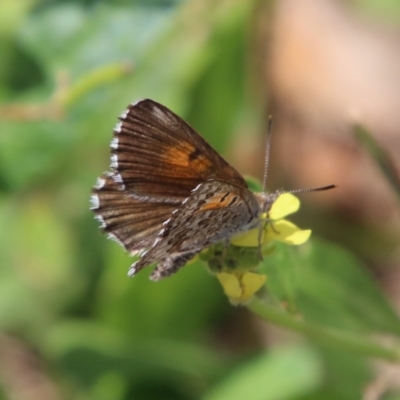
x=335, y=289
x=280, y=268
x=178, y=307
x=280, y=374
x=37, y=275
x=330, y=287
x=89, y=352
x=78, y=46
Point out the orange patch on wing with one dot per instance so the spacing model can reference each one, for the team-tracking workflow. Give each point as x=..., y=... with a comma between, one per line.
x=179, y=155
x=219, y=200
x=201, y=163
x=187, y=156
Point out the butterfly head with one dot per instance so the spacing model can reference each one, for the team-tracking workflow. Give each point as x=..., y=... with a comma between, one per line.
x=265, y=200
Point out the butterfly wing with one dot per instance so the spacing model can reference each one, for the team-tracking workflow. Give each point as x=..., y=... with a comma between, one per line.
x=214, y=212
x=157, y=160
x=128, y=220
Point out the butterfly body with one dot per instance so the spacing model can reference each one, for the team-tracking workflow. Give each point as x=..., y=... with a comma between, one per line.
x=169, y=194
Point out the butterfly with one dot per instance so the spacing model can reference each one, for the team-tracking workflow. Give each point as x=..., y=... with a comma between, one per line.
x=169, y=194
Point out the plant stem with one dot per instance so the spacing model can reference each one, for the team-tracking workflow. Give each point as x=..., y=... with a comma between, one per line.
x=380, y=155
x=94, y=79
x=324, y=336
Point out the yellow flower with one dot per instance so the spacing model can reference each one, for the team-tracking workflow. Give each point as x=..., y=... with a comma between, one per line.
x=240, y=283
x=240, y=286
x=276, y=228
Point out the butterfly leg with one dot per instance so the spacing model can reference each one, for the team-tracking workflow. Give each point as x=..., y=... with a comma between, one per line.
x=273, y=228
x=261, y=231
x=226, y=244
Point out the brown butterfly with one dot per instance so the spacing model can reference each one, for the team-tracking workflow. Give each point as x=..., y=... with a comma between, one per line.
x=169, y=194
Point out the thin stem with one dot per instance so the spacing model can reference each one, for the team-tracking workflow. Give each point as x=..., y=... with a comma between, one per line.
x=92, y=80
x=324, y=336
x=380, y=155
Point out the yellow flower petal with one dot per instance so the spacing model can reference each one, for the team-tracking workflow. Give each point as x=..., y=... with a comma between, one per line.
x=231, y=284
x=239, y=287
x=284, y=205
x=251, y=283
x=288, y=233
x=246, y=239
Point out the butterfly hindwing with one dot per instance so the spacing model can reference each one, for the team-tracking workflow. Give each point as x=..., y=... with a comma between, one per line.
x=132, y=222
x=214, y=211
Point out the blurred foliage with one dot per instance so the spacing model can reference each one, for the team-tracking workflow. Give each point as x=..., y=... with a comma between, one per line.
x=68, y=69
x=387, y=10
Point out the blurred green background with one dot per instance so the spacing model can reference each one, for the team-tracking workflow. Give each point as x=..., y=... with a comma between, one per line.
x=72, y=325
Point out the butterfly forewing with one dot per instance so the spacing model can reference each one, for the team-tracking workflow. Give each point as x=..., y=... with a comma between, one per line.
x=156, y=151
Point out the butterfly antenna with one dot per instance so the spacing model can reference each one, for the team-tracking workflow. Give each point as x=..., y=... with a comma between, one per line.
x=267, y=147
x=317, y=189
